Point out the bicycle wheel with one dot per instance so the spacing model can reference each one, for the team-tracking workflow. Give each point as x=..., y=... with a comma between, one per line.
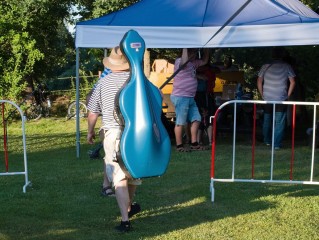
x=34, y=112
x=72, y=110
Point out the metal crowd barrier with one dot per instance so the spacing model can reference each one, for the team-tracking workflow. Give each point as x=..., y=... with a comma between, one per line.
x=5, y=145
x=271, y=179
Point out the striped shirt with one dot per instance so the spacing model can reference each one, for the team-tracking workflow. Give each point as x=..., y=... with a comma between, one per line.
x=103, y=74
x=102, y=99
x=185, y=82
x=275, y=83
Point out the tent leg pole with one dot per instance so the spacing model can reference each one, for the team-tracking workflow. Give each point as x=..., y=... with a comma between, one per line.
x=77, y=104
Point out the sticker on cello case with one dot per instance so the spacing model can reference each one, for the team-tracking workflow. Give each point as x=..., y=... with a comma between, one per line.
x=136, y=45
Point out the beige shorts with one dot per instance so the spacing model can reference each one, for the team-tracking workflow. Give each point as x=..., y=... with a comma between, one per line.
x=113, y=170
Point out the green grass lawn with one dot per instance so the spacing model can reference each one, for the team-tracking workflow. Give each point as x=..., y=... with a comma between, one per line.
x=64, y=201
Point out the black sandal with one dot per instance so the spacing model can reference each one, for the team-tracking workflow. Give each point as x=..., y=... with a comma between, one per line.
x=107, y=192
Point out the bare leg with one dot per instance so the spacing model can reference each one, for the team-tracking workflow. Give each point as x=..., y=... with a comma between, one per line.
x=123, y=198
x=178, y=134
x=194, y=130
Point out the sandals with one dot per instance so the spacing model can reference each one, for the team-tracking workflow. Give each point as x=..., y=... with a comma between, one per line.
x=107, y=192
x=181, y=148
x=196, y=147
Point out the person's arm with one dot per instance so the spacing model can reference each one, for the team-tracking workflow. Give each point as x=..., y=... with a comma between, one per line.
x=92, y=118
x=205, y=56
x=260, y=86
x=184, y=57
x=291, y=86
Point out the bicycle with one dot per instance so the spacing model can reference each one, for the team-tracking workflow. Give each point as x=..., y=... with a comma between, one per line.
x=34, y=105
x=83, y=111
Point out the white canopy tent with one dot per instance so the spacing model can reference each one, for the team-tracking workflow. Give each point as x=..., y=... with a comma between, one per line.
x=201, y=24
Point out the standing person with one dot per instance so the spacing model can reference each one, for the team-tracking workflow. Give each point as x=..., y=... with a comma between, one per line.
x=272, y=83
x=102, y=101
x=107, y=189
x=184, y=90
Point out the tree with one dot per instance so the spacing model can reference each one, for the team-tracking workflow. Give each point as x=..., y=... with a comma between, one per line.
x=34, y=43
x=17, y=52
x=47, y=25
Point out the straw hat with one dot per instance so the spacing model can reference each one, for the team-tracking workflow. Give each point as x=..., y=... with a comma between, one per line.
x=116, y=60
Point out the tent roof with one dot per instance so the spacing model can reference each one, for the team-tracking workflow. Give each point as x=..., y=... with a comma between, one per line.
x=192, y=23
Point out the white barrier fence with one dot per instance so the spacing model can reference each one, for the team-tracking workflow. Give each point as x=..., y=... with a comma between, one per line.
x=255, y=103
x=4, y=122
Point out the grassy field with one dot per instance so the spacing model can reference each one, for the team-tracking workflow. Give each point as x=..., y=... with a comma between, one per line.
x=64, y=201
